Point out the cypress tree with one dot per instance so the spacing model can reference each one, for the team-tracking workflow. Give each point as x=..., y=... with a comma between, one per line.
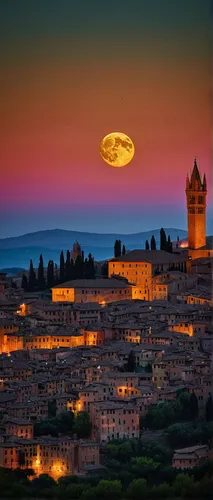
x=209, y=409
x=86, y=271
x=163, y=241
x=32, y=277
x=153, y=243
x=61, y=272
x=147, y=245
x=72, y=271
x=67, y=267
x=169, y=245
x=24, y=282
x=177, y=242
x=123, y=250
x=117, y=248
x=50, y=274
x=89, y=267
x=79, y=268
x=55, y=273
x=41, y=278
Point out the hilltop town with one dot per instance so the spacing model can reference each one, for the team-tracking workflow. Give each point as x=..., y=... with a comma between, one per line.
x=118, y=356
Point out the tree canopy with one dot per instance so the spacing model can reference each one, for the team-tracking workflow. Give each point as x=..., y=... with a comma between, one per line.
x=153, y=243
x=164, y=413
x=117, y=248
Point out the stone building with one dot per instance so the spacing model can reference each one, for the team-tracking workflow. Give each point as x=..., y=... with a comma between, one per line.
x=190, y=457
x=92, y=290
x=113, y=420
x=18, y=427
x=47, y=455
x=139, y=267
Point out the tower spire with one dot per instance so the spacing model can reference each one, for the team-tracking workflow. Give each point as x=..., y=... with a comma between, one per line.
x=195, y=180
x=187, y=181
x=196, y=208
x=204, y=183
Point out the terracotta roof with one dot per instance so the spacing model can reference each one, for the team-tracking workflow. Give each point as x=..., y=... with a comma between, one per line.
x=197, y=451
x=150, y=256
x=17, y=421
x=95, y=283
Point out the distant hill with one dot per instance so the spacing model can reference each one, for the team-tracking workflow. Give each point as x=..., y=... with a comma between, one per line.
x=17, y=251
x=12, y=271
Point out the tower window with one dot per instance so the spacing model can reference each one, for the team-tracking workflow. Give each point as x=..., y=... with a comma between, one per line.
x=192, y=200
x=201, y=200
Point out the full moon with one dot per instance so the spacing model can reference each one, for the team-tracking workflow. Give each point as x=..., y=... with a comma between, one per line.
x=117, y=149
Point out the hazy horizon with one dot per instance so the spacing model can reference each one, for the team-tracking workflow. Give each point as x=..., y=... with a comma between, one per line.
x=122, y=221
x=80, y=70
x=112, y=227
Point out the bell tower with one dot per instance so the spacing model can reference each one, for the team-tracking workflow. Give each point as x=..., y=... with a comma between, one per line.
x=196, y=191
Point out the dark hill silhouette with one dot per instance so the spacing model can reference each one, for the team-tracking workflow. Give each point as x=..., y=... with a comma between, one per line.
x=17, y=251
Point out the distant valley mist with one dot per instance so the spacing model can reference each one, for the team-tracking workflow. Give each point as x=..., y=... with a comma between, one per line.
x=17, y=251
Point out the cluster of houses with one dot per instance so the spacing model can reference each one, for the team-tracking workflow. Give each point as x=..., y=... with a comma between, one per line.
x=111, y=347
x=76, y=354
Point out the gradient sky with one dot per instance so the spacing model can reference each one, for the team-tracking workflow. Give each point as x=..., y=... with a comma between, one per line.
x=73, y=71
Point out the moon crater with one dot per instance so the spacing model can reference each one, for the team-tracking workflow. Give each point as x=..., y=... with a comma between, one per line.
x=117, y=149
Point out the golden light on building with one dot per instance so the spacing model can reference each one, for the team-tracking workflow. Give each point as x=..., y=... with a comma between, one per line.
x=23, y=310
x=36, y=466
x=57, y=470
x=184, y=244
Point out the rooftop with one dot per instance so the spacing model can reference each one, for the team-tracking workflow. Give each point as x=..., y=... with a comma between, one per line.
x=191, y=449
x=17, y=421
x=95, y=283
x=151, y=256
